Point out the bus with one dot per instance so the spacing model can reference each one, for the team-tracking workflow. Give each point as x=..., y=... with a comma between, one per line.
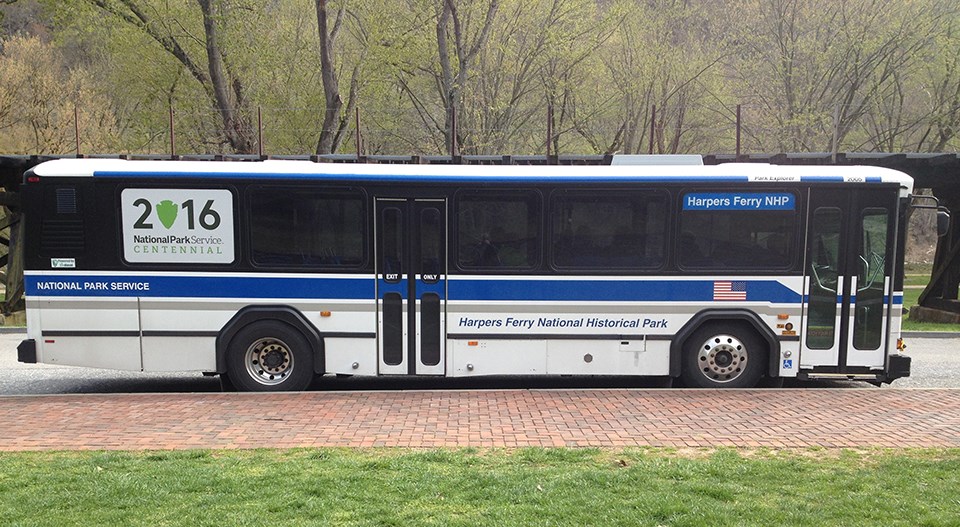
x=272, y=273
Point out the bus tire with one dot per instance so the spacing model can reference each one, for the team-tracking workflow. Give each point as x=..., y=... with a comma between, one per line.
x=723, y=355
x=269, y=356
x=226, y=385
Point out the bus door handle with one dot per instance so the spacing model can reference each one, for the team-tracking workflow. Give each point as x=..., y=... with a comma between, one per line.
x=867, y=279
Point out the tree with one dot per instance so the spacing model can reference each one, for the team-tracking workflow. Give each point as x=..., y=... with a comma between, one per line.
x=209, y=67
x=459, y=41
x=657, y=56
x=816, y=67
x=228, y=90
x=940, y=83
x=811, y=74
x=38, y=98
x=542, y=45
x=336, y=119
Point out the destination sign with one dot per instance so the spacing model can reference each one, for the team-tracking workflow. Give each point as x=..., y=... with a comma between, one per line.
x=739, y=201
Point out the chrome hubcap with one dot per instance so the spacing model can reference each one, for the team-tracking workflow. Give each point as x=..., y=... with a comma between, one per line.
x=722, y=358
x=269, y=361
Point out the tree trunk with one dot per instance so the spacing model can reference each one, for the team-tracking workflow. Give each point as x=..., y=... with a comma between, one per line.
x=235, y=128
x=331, y=86
x=451, y=83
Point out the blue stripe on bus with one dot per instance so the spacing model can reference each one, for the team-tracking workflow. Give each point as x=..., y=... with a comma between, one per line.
x=199, y=287
x=394, y=178
x=403, y=289
x=897, y=299
x=385, y=287
x=465, y=289
x=612, y=290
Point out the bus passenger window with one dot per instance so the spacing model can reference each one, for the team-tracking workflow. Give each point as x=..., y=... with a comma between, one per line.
x=488, y=254
x=292, y=227
x=738, y=231
x=690, y=250
x=498, y=230
x=608, y=229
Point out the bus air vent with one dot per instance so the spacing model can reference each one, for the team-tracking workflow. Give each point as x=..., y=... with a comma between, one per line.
x=61, y=237
x=66, y=200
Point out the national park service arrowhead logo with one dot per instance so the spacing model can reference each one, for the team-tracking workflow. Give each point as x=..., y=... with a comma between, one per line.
x=167, y=212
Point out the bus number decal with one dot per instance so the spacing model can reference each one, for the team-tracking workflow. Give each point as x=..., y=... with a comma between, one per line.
x=171, y=225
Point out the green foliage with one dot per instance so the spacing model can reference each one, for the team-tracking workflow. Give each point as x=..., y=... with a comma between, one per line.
x=811, y=75
x=470, y=487
x=827, y=75
x=42, y=102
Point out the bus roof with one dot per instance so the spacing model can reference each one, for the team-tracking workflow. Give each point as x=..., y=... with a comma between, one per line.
x=285, y=170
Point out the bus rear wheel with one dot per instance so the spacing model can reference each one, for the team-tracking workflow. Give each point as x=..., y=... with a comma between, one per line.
x=723, y=356
x=269, y=356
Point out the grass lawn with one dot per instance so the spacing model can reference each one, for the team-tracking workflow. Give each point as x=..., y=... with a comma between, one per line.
x=913, y=325
x=919, y=275
x=918, y=268
x=482, y=487
x=916, y=279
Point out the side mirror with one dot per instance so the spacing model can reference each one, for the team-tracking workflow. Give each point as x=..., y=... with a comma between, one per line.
x=943, y=213
x=943, y=221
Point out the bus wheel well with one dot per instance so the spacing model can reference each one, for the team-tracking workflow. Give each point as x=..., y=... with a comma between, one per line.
x=285, y=314
x=741, y=317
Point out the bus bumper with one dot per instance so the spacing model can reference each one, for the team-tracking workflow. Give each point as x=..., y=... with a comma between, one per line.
x=27, y=351
x=899, y=367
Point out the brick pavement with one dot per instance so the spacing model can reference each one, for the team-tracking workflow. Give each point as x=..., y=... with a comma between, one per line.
x=506, y=418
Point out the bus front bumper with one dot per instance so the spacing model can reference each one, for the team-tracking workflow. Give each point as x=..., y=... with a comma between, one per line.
x=899, y=367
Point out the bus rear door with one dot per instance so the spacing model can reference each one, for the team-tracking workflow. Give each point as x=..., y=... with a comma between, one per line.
x=411, y=285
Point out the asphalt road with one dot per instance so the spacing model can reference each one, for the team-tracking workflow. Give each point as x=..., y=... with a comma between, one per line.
x=936, y=364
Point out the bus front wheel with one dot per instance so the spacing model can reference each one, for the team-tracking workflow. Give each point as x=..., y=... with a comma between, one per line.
x=269, y=356
x=720, y=355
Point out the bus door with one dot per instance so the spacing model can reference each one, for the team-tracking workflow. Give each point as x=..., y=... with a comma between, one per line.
x=411, y=285
x=848, y=287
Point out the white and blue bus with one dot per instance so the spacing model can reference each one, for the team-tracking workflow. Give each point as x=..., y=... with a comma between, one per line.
x=272, y=273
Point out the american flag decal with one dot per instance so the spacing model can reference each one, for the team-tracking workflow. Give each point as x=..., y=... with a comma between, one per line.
x=729, y=290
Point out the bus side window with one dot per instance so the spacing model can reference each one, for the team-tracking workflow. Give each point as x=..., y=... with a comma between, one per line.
x=488, y=254
x=778, y=248
x=297, y=227
x=728, y=237
x=498, y=229
x=609, y=229
x=690, y=252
